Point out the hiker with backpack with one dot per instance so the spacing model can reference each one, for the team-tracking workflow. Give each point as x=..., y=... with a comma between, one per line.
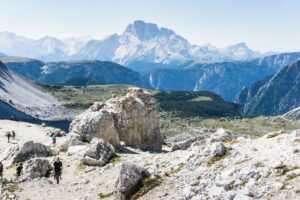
x=19, y=170
x=8, y=135
x=57, y=169
x=13, y=134
x=54, y=139
x=1, y=169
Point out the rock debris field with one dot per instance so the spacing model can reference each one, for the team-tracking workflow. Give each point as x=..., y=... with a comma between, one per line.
x=213, y=165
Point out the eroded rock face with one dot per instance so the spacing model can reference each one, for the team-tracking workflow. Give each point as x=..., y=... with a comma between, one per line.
x=26, y=151
x=98, y=153
x=129, y=180
x=133, y=119
x=38, y=168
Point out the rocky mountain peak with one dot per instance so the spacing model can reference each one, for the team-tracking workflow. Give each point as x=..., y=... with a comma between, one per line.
x=142, y=30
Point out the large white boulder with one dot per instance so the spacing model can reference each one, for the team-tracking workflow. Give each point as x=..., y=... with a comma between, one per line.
x=133, y=119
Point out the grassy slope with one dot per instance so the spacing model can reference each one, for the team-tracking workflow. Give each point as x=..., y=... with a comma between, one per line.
x=183, y=104
x=182, y=113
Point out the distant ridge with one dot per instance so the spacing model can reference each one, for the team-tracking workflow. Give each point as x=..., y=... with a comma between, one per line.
x=140, y=41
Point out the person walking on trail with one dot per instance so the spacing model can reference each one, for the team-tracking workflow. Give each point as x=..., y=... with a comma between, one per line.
x=8, y=135
x=57, y=169
x=54, y=139
x=1, y=169
x=13, y=134
x=19, y=170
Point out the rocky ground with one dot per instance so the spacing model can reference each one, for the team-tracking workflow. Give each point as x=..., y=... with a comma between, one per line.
x=262, y=168
x=115, y=150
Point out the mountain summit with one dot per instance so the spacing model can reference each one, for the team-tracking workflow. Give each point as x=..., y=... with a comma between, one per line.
x=143, y=31
x=148, y=43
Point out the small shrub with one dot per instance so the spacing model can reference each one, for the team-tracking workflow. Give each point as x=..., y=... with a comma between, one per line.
x=11, y=187
x=81, y=167
x=291, y=176
x=259, y=164
x=104, y=196
x=175, y=170
x=297, y=140
x=230, y=186
x=212, y=160
x=116, y=159
x=147, y=185
x=241, y=161
x=286, y=169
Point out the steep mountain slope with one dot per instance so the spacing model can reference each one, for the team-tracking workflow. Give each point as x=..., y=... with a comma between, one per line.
x=295, y=113
x=96, y=72
x=249, y=92
x=2, y=54
x=29, y=68
x=227, y=79
x=19, y=96
x=278, y=95
x=77, y=73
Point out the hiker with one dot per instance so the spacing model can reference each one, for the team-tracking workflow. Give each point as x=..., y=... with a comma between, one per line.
x=19, y=170
x=54, y=139
x=8, y=135
x=1, y=169
x=13, y=134
x=57, y=169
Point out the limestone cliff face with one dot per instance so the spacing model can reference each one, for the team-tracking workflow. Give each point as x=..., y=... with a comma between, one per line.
x=277, y=95
x=133, y=119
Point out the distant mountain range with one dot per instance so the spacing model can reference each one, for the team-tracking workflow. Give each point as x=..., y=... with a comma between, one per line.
x=142, y=42
x=274, y=95
x=227, y=79
x=76, y=73
x=249, y=82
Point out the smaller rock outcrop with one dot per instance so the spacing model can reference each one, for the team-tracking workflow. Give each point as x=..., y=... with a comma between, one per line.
x=98, y=153
x=218, y=149
x=184, y=145
x=38, y=168
x=129, y=180
x=222, y=135
x=26, y=151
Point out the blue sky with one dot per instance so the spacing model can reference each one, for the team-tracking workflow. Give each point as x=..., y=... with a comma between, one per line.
x=265, y=25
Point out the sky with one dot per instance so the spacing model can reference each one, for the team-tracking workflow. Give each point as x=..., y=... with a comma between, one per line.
x=265, y=25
